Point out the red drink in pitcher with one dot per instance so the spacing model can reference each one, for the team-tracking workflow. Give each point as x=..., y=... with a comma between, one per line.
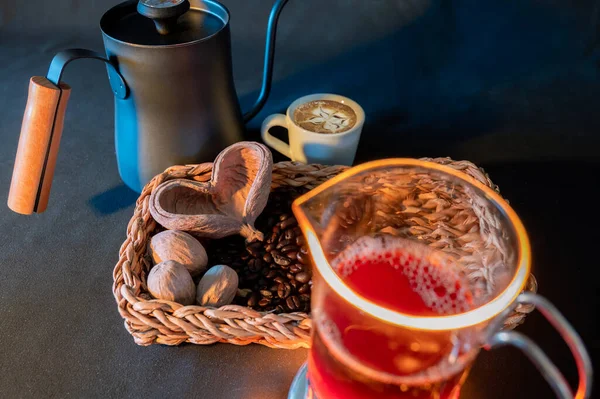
x=356, y=355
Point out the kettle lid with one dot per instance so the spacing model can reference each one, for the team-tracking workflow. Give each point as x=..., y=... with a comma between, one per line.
x=164, y=22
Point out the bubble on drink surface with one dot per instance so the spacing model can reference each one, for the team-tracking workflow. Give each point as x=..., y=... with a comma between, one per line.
x=432, y=275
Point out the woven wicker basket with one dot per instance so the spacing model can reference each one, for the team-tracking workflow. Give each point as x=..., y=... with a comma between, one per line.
x=153, y=321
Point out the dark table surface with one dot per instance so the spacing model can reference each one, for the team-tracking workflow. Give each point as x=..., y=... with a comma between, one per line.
x=508, y=85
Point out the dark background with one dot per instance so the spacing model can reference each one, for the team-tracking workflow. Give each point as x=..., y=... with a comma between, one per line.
x=512, y=85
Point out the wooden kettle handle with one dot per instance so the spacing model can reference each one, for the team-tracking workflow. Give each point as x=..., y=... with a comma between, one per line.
x=38, y=146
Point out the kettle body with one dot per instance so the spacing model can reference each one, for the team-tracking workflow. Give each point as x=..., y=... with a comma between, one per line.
x=181, y=107
x=169, y=66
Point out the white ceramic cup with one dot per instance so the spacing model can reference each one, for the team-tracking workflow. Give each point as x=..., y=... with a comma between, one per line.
x=311, y=147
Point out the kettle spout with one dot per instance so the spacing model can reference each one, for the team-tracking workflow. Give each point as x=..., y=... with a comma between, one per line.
x=268, y=61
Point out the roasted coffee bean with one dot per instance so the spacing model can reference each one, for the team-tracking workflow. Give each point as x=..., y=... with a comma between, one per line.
x=289, y=222
x=276, y=229
x=264, y=302
x=288, y=289
x=292, y=254
x=266, y=293
x=275, y=253
x=253, y=251
x=252, y=265
x=279, y=279
x=293, y=303
x=254, y=245
x=267, y=257
x=290, y=304
x=290, y=276
x=303, y=277
x=283, y=217
x=297, y=301
x=281, y=260
x=304, y=250
x=288, y=248
x=270, y=273
x=302, y=258
x=296, y=268
x=305, y=298
x=279, y=309
x=284, y=267
x=274, y=288
x=289, y=234
x=294, y=283
x=300, y=240
x=281, y=291
x=253, y=300
x=273, y=266
x=283, y=243
x=305, y=288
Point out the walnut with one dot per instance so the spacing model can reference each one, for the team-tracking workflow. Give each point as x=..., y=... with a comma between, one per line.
x=217, y=287
x=171, y=281
x=180, y=247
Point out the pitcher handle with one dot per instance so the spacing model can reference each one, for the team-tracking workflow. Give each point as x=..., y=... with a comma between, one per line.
x=550, y=372
x=268, y=60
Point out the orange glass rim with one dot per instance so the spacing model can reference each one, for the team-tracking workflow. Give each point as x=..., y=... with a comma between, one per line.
x=429, y=323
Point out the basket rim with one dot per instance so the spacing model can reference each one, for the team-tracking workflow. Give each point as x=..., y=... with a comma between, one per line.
x=153, y=321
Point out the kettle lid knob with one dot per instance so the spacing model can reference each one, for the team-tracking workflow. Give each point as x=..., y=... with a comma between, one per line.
x=164, y=13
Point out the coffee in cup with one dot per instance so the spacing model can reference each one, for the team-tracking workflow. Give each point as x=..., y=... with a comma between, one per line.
x=325, y=116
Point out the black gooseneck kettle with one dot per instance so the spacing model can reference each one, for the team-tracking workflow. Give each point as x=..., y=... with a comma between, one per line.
x=169, y=66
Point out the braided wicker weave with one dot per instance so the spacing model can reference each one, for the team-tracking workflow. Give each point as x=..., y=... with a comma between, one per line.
x=153, y=321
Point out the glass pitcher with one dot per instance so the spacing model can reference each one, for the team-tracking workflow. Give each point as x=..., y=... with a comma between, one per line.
x=416, y=267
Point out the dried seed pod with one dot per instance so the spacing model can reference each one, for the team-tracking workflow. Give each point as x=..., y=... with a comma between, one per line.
x=180, y=247
x=171, y=281
x=217, y=287
x=228, y=204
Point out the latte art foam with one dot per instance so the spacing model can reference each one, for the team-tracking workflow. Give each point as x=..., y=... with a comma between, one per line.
x=325, y=116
